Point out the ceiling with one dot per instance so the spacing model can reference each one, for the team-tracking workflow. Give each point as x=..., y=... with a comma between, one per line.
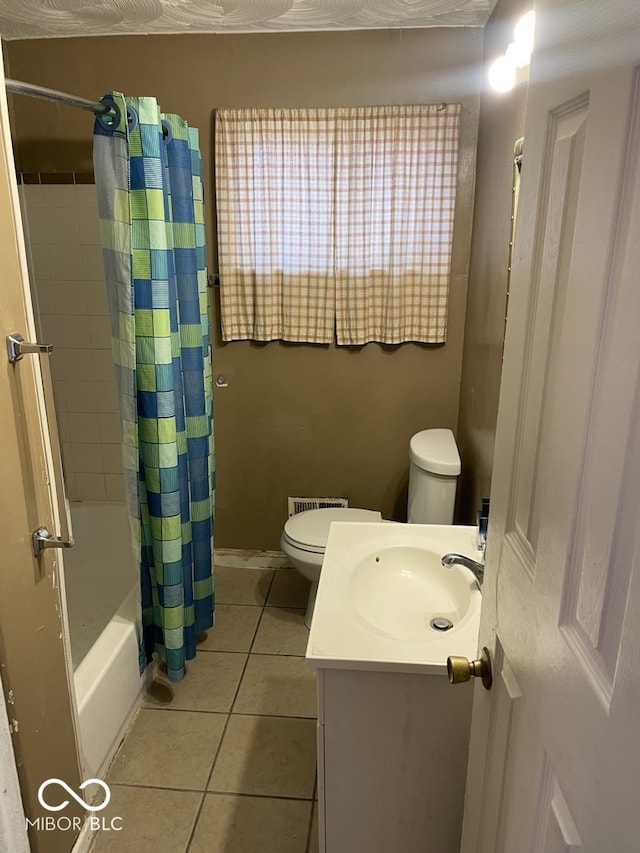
x=26, y=19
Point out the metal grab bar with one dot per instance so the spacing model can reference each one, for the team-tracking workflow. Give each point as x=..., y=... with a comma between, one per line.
x=42, y=538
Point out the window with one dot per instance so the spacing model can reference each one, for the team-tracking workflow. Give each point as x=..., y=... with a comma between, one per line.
x=336, y=221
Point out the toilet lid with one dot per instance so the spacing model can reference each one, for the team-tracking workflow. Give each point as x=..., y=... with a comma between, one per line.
x=310, y=529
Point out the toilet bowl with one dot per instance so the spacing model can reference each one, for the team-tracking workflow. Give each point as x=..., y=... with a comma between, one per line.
x=304, y=540
x=433, y=472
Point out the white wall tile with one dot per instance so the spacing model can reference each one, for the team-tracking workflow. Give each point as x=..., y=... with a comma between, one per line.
x=68, y=281
x=96, y=293
x=67, y=332
x=72, y=364
x=40, y=264
x=66, y=451
x=61, y=226
x=107, y=397
x=86, y=197
x=92, y=266
x=87, y=458
x=100, y=332
x=47, y=296
x=63, y=427
x=103, y=369
x=112, y=458
x=32, y=195
x=90, y=487
x=70, y=485
x=84, y=427
x=89, y=228
x=110, y=430
x=115, y=487
x=69, y=297
x=59, y=195
x=59, y=395
x=82, y=397
x=35, y=232
x=65, y=263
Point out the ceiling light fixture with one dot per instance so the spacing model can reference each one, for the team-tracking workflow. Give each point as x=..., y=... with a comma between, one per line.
x=502, y=71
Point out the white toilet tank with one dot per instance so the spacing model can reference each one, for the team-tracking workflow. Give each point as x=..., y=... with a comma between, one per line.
x=433, y=475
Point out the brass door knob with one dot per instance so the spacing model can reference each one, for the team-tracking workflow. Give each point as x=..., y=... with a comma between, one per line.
x=461, y=669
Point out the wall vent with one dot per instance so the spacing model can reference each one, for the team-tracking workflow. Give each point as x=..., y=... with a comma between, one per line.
x=301, y=504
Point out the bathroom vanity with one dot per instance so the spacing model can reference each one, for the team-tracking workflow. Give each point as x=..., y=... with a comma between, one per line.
x=393, y=734
x=392, y=761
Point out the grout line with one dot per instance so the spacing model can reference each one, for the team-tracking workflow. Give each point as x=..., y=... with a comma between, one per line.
x=182, y=710
x=228, y=713
x=313, y=806
x=224, y=731
x=244, y=668
x=199, y=791
x=276, y=655
x=204, y=793
x=257, y=628
x=224, y=713
x=220, y=652
x=261, y=796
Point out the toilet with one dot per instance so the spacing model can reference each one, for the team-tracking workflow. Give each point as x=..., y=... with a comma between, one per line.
x=433, y=472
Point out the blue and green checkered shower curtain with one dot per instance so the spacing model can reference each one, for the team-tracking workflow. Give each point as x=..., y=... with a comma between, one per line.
x=150, y=200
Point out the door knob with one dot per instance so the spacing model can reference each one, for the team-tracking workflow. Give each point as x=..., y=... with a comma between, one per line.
x=461, y=669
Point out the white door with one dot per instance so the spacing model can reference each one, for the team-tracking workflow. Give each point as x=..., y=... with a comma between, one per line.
x=555, y=751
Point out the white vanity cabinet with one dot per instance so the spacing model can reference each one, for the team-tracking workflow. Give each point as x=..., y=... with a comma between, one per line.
x=392, y=761
x=393, y=734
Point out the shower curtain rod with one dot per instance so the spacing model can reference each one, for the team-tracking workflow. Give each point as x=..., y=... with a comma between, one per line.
x=33, y=91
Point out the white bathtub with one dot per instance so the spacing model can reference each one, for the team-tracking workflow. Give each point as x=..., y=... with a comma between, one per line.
x=101, y=581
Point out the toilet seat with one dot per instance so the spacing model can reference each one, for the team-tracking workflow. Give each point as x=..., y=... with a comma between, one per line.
x=309, y=530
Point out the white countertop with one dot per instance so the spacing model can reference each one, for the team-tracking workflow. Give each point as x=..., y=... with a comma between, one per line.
x=380, y=586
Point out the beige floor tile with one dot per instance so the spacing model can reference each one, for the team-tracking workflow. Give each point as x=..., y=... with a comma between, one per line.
x=281, y=632
x=151, y=820
x=314, y=844
x=242, y=586
x=234, y=630
x=289, y=589
x=277, y=685
x=210, y=684
x=271, y=756
x=229, y=824
x=168, y=749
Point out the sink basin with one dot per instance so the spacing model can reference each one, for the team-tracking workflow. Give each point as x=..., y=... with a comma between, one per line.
x=386, y=602
x=402, y=590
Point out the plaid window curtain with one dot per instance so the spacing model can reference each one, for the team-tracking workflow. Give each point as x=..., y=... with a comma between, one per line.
x=336, y=221
x=150, y=202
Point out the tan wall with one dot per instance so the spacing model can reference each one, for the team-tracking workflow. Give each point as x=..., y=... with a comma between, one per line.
x=501, y=123
x=294, y=419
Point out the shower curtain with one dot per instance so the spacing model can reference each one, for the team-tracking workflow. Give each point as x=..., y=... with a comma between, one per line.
x=150, y=201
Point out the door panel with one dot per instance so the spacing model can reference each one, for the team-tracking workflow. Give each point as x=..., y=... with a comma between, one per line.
x=35, y=671
x=556, y=831
x=561, y=604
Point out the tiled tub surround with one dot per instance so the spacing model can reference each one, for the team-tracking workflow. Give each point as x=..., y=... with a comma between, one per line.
x=63, y=250
x=226, y=761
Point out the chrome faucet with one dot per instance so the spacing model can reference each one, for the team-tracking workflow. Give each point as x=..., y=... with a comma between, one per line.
x=476, y=568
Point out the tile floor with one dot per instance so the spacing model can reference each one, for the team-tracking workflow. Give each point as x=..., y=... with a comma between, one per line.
x=226, y=761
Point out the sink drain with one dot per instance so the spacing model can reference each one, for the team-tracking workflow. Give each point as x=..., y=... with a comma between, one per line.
x=441, y=624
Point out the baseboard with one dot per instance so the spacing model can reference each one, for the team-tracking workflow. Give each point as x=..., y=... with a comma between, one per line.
x=247, y=559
